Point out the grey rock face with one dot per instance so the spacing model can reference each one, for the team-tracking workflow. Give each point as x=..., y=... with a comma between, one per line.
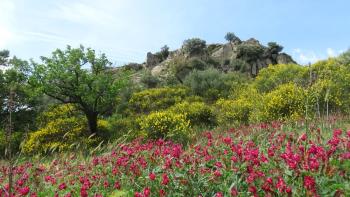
x=152, y=60
x=284, y=58
x=227, y=57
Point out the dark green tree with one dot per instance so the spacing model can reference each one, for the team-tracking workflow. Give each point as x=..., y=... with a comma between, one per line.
x=194, y=46
x=164, y=51
x=231, y=37
x=4, y=57
x=15, y=78
x=80, y=77
x=274, y=48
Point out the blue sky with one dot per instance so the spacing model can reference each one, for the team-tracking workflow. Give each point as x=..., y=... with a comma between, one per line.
x=126, y=30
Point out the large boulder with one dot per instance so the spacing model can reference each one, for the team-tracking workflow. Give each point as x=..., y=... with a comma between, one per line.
x=152, y=60
x=284, y=58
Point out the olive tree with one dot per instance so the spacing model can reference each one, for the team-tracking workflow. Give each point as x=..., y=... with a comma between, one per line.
x=194, y=46
x=80, y=77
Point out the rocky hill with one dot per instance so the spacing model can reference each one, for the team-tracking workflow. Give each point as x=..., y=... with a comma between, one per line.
x=245, y=56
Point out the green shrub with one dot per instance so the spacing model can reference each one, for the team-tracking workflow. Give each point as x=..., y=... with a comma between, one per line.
x=166, y=124
x=286, y=102
x=249, y=52
x=16, y=140
x=209, y=83
x=274, y=48
x=239, y=65
x=149, y=80
x=156, y=99
x=323, y=95
x=120, y=126
x=274, y=75
x=123, y=98
x=59, y=135
x=198, y=113
x=194, y=46
x=61, y=128
x=331, y=81
x=183, y=67
x=233, y=112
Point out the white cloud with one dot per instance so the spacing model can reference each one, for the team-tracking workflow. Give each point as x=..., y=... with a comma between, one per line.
x=82, y=12
x=305, y=57
x=45, y=37
x=331, y=52
x=309, y=56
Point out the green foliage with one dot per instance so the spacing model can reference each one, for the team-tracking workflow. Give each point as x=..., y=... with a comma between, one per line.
x=344, y=58
x=233, y=112
x=120, y=126
x=239, y=65
x=163, y=54
x=123, y=99
x=231, y=37
x=274, y=48
x=60, y=128
x=156, y=99
x=15, y=80
x=249, y=52
x=183, y=67
x=81, y=77
x=331, y=85
x=209, y=83
x=194, y=46
x=274, y=75
x=167, y=125
x=240, y=108
x=323, y=95
x=4, y=55
x=16, y=140
x=198, y=113
x=286, y=102
x=149, y=80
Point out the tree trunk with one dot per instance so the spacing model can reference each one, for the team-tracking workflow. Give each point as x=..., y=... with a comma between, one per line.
x=92, y=121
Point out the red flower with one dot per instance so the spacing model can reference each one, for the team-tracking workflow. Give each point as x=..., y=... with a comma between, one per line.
x=138, y=194
x=289, y=190
x=83, y=192
x=165, y=179
x=161, y=193
x=234, y=191
x=217, y=173
x=309, y=183
x=303, y=137
x=218, y=164
x=117, y=185
x=24, y=191
x=105, y=184
x=32, y=195
x=252, y=189
x=20, y=182
x=68, y=195
x=152, y=176
x=219, y=194
x=227, y=140
x=147, y=192
x=62, y=186
x=281, y=185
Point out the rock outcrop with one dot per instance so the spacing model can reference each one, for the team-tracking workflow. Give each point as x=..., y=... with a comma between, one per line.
x=152, y=60
x=251, y=53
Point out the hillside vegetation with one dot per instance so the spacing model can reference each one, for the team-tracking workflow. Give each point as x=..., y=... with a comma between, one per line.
x=220, y=119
